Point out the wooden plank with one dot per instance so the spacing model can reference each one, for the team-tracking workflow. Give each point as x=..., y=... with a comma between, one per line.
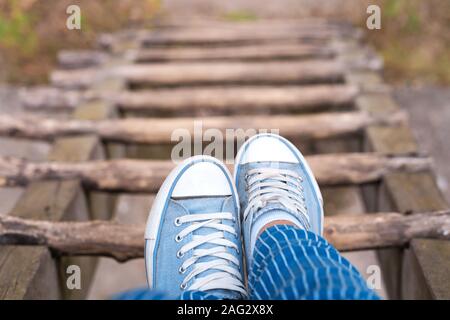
x=243, y=53
x=342, y=200
x=57, y=200
x=405, y=192
x=414, y=192
x=203, y=101
x=35, y=279
x=76, y=59
x=23, y=269
x=242, y=35
x=169, y=130
x=236, y=100
x=391, y=140
x=146, y=176
x=123, y=242
x=197, y=74
x=50, y=98
x=421, y=279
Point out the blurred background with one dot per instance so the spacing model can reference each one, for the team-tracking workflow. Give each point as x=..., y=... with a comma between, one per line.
x=414, y=39
x=414, y=42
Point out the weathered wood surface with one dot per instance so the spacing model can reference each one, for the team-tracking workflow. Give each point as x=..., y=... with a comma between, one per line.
x=244, y=35
x=68, y=59
x=164, y=131
x=146, y=175
x=50, y=98
x=261, y=25
x=204, y=101
x=238, y=100
x=420, y=279
x=195, y=23
x=223, y=73
x=244, y=53
x=404, y=192
x=25, y=271
x=32, y=273
x=124, y=242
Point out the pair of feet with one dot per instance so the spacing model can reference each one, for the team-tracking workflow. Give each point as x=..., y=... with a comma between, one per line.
x=193, y=234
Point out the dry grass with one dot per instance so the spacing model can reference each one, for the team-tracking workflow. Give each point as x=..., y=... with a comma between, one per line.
x=33, y=31
x=414, y=39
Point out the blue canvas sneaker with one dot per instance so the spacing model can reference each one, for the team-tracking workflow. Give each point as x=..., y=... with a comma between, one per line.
x=193, y=233
x=274, y=182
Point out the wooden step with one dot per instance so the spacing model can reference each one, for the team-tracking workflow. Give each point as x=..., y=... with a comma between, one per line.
x=123, y=242
x=243, y=53
x=204, y=36
x=126, y=175
x=69, y=59
x=170, y=130
x=203, y=101
x=237, y=100
x=231, y=73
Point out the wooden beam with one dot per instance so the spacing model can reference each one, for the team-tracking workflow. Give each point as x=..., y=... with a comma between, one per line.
x=24, y=270
x=237, y=100
x=50, y=98
x=224, y=73
x=404, y=192
x=146, y=176
x=214, y=23
x=421, y=280
x=75, y=59
x=220, y=36
x=32, y=273
x=124, y=242
x=243, y=53
x=160, y=131
x=202, y=101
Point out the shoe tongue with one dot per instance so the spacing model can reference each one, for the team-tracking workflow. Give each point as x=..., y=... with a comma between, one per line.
x=210, y=205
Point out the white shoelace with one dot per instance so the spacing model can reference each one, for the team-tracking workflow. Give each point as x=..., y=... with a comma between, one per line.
x=228, y=276
x=272, y=185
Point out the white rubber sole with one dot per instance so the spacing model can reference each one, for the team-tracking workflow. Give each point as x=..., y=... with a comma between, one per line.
x=161, y=200
x=276, y=157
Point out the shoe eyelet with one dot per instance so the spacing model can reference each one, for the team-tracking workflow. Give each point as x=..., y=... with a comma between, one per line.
x=178, y=238
x=180, y=254
x=181, y=270
x=183, y=286
x=177, y=222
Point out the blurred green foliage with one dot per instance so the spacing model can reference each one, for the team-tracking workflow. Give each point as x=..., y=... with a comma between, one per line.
x=33, y=31
x=414, y=40
x=16, y=29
